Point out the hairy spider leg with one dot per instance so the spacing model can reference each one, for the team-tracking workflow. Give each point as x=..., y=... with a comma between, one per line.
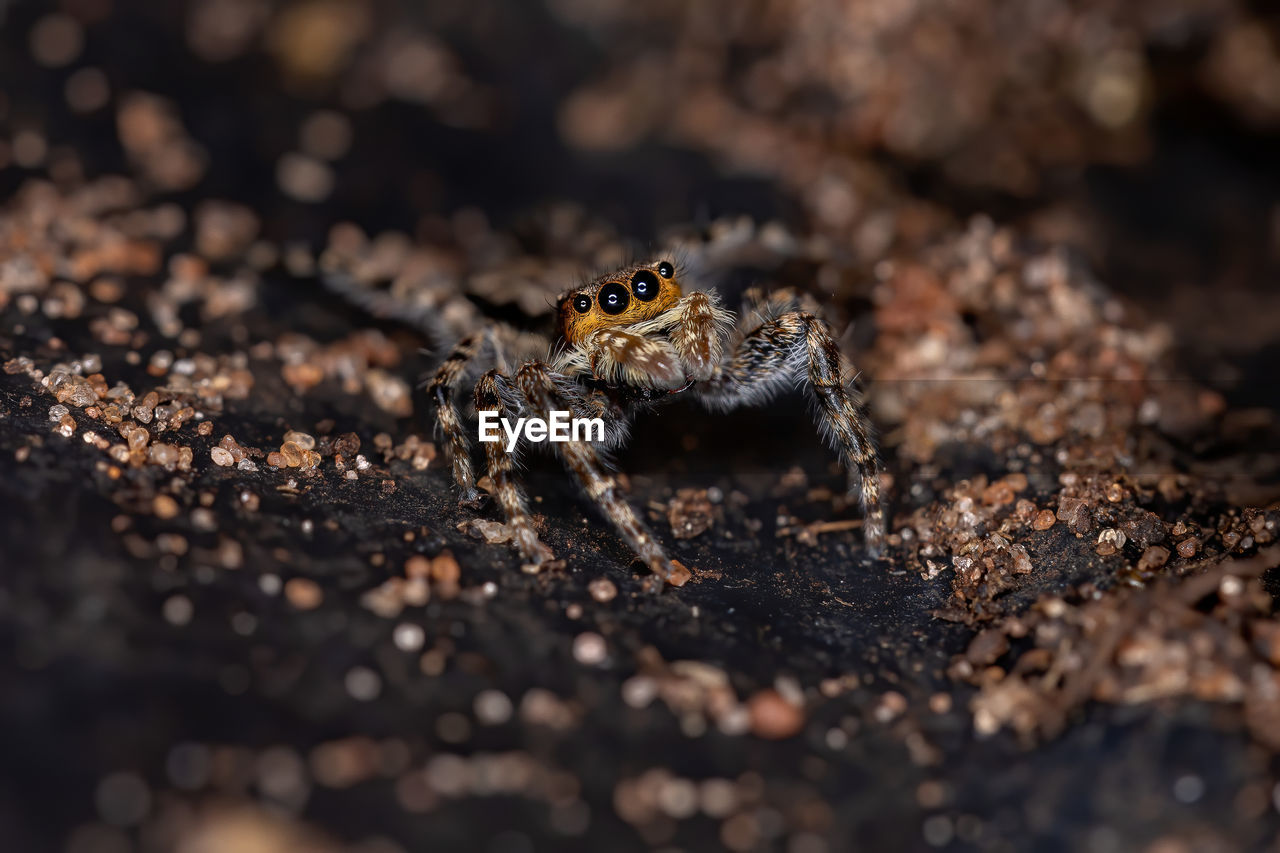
x=498, y=344
x=772, y=357
x=495, y=392
x=449, y=376
x=544, y=390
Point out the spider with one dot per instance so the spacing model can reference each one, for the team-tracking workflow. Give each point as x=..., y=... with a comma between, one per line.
x=628, y=341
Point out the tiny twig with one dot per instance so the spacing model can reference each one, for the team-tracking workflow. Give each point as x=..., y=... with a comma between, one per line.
x=821, y=527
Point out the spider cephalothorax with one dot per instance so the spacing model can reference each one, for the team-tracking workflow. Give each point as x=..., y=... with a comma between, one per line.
x=627, y=341
x=622, y=298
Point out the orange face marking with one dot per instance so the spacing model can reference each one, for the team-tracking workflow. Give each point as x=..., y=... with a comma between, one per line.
x=621, y=298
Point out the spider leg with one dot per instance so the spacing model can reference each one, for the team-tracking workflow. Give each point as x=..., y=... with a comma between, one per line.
x=443, y=385
x=495, y=392
x=500, y=344
x=545, y=391
x=594, y=403
x=798, y=345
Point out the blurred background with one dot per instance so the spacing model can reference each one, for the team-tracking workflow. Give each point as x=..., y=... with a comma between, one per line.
x=516, y=144
x=1142, y=133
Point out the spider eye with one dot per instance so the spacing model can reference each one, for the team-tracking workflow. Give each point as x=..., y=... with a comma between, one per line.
x=582, y=303
x=614, y=298
x=665, y=269
x=645, y=285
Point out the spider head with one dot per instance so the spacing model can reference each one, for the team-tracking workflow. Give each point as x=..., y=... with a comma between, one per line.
x=621, y=298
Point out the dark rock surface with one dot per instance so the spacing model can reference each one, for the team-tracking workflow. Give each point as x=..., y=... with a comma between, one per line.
x=1069, y=644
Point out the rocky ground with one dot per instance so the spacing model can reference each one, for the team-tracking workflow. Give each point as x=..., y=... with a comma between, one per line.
x=242, y=608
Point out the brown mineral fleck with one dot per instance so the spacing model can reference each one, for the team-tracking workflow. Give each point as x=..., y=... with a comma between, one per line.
x=1076, y=513
x=165, y=507
x=773, y=717
x=987, y=647
x=602, y=590
x=163, y=454
x=303, y=593
x=445, y=569
x=690, y=513
x=417, y=566
x=998, y=493
x=492, y=532
x=229, y=444
x=1153, y=558
x=291, y=453
x=303, y=440
x=347, y=444
x=1044, y=520
x=302, y=377
x=1188, y=547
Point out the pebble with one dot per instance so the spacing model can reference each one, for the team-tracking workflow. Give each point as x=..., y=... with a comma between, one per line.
x=303, y=594
x=1043, y=520
x=639, y=691
x=589, y=648
x=409, y=637
x=772, y=716
x=1153, y=558
x=718, y=797
x=891, y=706
x=222, y=457
x=445, y=569
x=178, y=610
x=163, y=454
x=417, y=566
x=165, y=507
x=362, y=683
x=292, y=454
x=602, y=590
x=492, y=707
x=301, y=439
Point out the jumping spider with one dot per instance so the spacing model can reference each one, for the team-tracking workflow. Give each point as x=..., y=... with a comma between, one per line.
x=628, y=341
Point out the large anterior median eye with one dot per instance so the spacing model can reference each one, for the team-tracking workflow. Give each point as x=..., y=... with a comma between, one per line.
x=614, y=298
x=582, y=303
x=645, y=286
